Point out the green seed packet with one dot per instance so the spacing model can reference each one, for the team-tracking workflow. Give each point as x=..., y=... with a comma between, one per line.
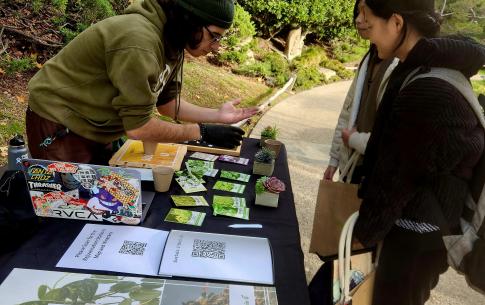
x=230, y=202
x=185, y=217
x=235, y=176
x=242, y=213
x=201, y=168
x=229, y=187
x=189, y=201
x=190, y=185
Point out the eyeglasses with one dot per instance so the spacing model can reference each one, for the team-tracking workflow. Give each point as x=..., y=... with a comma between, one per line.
x=215, y=37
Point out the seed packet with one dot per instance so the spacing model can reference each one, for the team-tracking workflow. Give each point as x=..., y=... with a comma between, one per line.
x=185, y=217
x=232, y=159
x=201, y=168
x=199, y=163
x=235, y=176
x=229, y=187
x=204, y=156
x=231, y=202
x=189, y=201
x=242, y=213
x=190, y=184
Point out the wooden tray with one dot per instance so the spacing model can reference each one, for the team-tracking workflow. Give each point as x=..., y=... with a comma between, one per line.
x=131, y=155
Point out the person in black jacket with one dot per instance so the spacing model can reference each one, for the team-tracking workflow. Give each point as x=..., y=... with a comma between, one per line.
x=425, y=143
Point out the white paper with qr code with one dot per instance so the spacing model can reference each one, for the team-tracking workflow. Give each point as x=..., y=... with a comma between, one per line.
x=124, y=249
x=218, y=256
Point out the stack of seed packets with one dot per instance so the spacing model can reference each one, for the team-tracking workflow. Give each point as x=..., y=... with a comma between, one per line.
x=229, y=187
x=204, y=156
x=185, y=217
x=189, y=201
x=230, y=206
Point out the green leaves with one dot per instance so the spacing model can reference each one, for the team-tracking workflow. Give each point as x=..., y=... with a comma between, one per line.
x=83, y=289
x=123, y=287
x=142, y=294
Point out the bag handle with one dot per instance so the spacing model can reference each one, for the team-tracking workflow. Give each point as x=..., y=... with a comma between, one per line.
x=349, y=168
x=344, y=255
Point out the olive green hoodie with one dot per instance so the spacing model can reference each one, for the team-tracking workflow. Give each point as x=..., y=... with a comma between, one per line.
x=107, y=80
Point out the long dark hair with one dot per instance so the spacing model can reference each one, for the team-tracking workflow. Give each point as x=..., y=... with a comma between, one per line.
x=420, y=14
x=182, y=28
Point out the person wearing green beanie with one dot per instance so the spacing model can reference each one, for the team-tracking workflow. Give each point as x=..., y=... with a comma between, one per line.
x=107, y=81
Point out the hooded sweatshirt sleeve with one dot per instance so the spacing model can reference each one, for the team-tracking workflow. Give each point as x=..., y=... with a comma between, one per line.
x=134, y=72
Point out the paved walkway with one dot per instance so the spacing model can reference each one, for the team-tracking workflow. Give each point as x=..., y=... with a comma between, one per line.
x=306, y=122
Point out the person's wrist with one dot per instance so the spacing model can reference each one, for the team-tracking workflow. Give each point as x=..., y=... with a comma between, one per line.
x=202, y=131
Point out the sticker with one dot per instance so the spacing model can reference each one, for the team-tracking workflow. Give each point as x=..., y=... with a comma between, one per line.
x=62, y=167
x=39, y=173
x=86, y=176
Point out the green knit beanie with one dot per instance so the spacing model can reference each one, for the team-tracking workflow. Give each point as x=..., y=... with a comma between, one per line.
x=217, y=12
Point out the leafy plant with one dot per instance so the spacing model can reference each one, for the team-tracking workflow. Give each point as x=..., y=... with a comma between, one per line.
x=270, y=132
x=84, y=291
x=13, y=65
x=264, y=155
x=259, y=187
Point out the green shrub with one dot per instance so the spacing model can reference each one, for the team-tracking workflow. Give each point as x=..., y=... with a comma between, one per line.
x=479, y=86
x=271, y=66
x=236, y=44
x=14, y=65
x=309, y=77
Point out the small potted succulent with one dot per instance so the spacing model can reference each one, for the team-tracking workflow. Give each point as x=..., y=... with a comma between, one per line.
x=269, y=132
x=268, y=190
x=264, y=162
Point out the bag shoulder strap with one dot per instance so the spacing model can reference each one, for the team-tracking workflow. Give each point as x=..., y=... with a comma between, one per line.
x=457, y=80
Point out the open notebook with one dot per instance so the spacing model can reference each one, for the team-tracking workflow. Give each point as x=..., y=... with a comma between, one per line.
x=145, y=251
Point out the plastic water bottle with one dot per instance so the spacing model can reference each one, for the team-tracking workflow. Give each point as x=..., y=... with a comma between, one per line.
x=17, y=150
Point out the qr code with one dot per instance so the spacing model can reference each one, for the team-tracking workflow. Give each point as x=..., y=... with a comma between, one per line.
x=209, y=249
x=133, y=248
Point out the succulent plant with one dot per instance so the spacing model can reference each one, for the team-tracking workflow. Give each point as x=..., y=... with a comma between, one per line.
x=264, y=155
x=269, y=184
x=270, y=132
x=274, y=185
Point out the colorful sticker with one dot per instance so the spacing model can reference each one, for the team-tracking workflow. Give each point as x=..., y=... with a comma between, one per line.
x=39, y=173
x=62, y=167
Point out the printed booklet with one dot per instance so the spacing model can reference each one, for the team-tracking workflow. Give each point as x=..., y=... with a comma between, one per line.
x=28, y=286
x=139, y=250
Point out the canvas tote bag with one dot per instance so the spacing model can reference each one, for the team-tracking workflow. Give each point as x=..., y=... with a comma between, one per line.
x=336, y=201
x=362, y=293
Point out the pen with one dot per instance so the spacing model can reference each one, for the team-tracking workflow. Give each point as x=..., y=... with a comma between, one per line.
x=246, y=226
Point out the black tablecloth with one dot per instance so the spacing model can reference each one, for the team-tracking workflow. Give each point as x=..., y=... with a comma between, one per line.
x=53, y=236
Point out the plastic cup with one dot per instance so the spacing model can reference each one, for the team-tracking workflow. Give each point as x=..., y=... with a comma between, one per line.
x=162, y=178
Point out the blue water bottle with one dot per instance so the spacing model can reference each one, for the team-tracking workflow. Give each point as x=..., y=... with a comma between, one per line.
x=17, y=150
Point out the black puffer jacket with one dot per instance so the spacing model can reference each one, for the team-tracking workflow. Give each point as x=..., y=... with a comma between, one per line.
x=425, y=143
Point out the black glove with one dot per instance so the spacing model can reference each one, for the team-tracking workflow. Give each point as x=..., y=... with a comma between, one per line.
x=221, y=135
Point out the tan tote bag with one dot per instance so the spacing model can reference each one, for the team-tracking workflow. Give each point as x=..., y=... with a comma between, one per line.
x=336, y=201
x=363, y=293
